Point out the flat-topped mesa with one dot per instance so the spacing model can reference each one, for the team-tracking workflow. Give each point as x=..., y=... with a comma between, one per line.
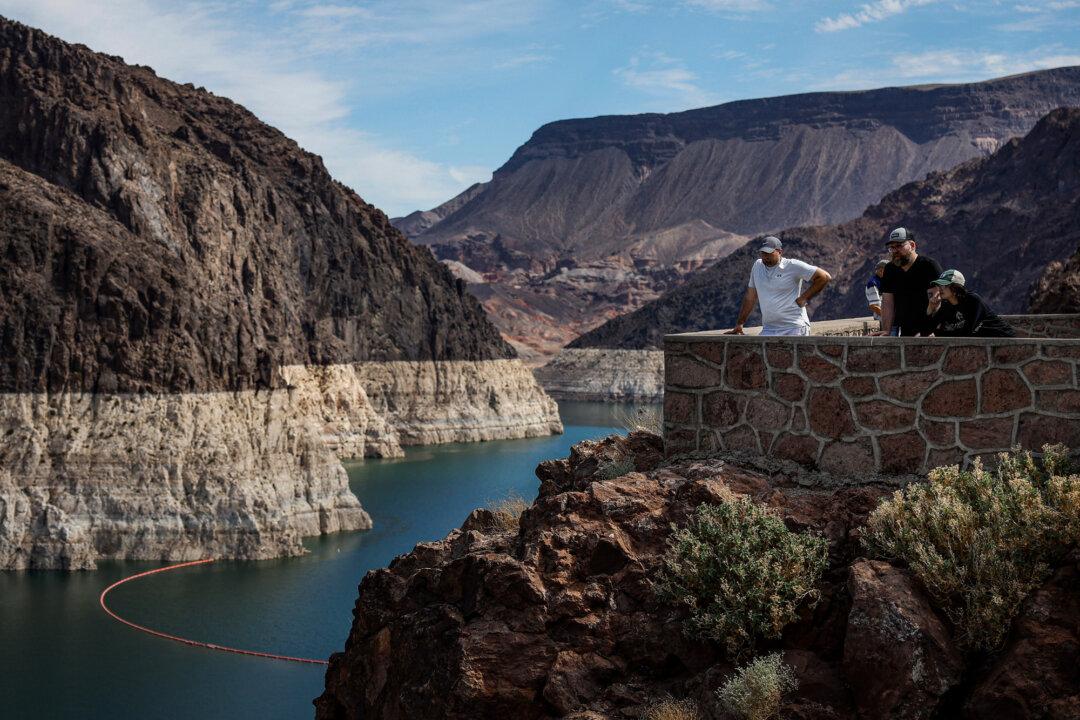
x=858, y=405
x=195, y=317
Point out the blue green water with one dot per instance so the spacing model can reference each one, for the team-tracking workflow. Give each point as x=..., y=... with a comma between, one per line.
x=62, y=657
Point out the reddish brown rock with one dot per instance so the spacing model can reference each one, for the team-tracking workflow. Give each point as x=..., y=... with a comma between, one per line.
x=944, y=457
x=1064, y=401
x=964, y=360
x=938, y=433
x=712, y=351
x=817, y=368
x=765, y=415
x=918, y=356
x=722, y=409
x=859, y=386
x=1009, y=354
x=745, y=367
x=798, y=420
x=680, y=441
x=800, y=448
x=902, y=454
x=835, y=350
x=987, y=433
x=882, y=415
x=956, y=398
x=1049, y=372
x=908, y=386
x=780, y=357
x=848, y=458
x=680, y=408
x=1037, y=674
x=788, y=386
x=1004, y=390
x=742, y=438
x=873, y=359
x=683, y=371
x=1037, y=430
x=1063, y=351
x=898, y=657
x=830, y=413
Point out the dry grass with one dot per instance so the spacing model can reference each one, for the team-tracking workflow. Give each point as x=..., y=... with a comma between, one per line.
x=644, y=418
x=671, y=709
x=981, y=540
x=507, y=512
x=756, y=690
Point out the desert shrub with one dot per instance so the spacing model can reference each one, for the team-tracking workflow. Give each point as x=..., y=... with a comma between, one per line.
x=668, y=708
x=981, y=540
x=507, y=512
x=741, y=572
x=614, y=468
x=644, y=418
x=756, y=690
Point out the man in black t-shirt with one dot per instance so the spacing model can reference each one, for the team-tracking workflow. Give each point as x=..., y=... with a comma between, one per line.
x=904, y=285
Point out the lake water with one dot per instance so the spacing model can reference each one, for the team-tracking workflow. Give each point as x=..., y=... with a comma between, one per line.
x=62, y=657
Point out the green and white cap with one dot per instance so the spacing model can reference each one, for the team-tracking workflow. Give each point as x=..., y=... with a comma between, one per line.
x=950, y=277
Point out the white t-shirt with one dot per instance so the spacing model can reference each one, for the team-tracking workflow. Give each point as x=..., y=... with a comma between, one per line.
x=777, y=287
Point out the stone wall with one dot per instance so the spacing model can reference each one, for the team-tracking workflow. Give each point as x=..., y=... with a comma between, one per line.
x=857, y=405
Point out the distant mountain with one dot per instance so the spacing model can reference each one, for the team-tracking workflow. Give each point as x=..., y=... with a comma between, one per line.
x=647, y=198
x=1001, y=220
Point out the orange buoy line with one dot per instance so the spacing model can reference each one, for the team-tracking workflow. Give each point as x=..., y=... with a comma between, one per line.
x=188, y=641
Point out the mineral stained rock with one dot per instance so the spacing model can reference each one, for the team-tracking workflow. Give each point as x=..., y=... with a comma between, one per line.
x=196, y=320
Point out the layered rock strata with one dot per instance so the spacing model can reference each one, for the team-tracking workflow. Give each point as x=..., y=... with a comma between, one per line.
x=196, y=320
x=558, y=617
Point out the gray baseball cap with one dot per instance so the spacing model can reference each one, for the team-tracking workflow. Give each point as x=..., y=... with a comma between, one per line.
x=900, y=235
x=770, y=243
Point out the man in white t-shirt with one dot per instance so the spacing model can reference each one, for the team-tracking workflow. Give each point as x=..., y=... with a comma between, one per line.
x=776, y=282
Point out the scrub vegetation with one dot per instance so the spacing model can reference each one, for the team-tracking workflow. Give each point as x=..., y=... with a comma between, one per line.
x=757, y=689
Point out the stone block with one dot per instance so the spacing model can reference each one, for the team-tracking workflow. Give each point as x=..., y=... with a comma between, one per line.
x=713, y=351
x=798, y=419
x=938, y=433
x=830, y=413
x=745, y=367
x=1071, y=351
x=765, y=414
x=873, y=359
x=741, y=438
x=709, y=441
x=1011, y=354
x=859, y=386
x=674, y=347
x=903, y=453
x=944, y=457
x=680, y=408
x=964, y=360
x=679, y=440
x=882, y=415
x=835, y=350
x=1037, y=430
x=918, y=356
x=1004, y=390
x=682, y=371
x=908, y=386
x=780, y=357
x=1049, y=372
x=848, y=458
x=800, y=448
x=817, y=368
x=987, y=433
x=1063, y=401
x=956, y=398
x=722, y=409
x=788, y=386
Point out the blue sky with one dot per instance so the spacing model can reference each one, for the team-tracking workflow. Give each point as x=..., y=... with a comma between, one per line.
x=411, y=101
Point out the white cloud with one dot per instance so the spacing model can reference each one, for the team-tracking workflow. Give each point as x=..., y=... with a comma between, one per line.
x=869, y=13
x=667, y=80
x=726, y=6
x=193, y=42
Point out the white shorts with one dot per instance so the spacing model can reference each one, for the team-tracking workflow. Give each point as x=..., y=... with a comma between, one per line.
x=797, y=330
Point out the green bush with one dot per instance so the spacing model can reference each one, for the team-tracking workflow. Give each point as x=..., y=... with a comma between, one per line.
x=981, y=540
x=741, y=572
x=756, y=690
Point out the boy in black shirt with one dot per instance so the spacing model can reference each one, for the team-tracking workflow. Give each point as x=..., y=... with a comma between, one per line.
x=955, y=312
x=904, y=285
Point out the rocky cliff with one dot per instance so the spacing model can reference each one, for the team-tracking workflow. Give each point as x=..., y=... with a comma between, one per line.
x=168, y=261
x=630, y=203
x=558, y=618
x=1000, y=220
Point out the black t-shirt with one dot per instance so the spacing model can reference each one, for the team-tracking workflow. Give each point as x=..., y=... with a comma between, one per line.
x=908, y=288
x=968, y=318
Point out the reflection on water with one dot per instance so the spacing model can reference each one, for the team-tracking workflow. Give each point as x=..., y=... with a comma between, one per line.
x=61, y=656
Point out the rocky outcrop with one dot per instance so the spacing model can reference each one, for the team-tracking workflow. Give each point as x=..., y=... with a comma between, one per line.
x=558, y=617
x=1000, y=220
x=663, y=194
x=1058, y=290
x=196, y=320
x=604, y=375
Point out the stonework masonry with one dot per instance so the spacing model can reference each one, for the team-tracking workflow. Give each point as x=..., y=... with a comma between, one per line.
x=852, y=405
